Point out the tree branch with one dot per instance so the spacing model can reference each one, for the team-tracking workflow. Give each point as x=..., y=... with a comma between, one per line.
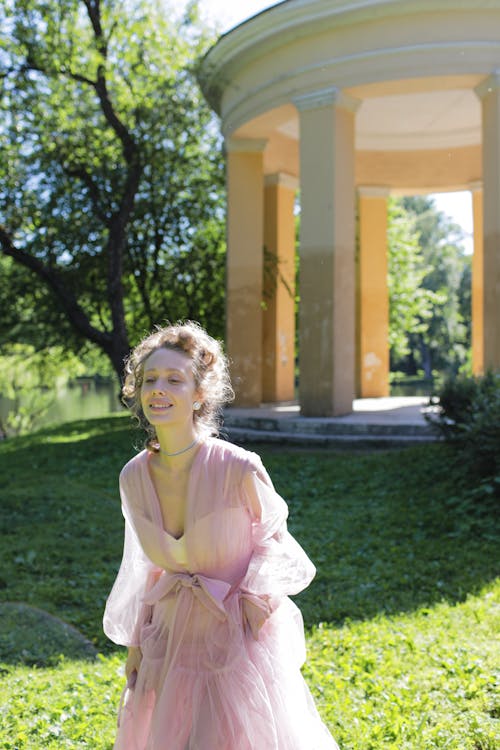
x=94, y=11
x=128, y=143
x=75, y=313
x=81, y=173
x=78, y=77
x=118, y=225
x=116, y=247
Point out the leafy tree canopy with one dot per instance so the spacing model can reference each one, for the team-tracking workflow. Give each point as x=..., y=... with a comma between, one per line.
x=429, y=288
x=446, y=343
x=411, y=305
x=111, y=178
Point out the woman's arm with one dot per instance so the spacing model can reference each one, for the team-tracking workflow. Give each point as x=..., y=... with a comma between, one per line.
x=279, y=567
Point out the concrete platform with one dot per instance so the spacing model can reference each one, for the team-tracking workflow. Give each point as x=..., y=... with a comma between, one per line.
x=382, y=422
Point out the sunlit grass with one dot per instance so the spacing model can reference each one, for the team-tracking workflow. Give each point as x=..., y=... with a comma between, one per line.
x=429, y=679
x=72, y=705
x=402, y=618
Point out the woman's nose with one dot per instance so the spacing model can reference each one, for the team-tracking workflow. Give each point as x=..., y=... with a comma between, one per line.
x=159, y=388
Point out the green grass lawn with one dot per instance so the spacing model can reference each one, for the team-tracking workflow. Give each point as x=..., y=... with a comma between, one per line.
x=403, y=618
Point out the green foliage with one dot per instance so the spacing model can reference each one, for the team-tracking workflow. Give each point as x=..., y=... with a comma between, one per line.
x=402, y=615
x=274, y=276
x=112, y=176
x=411, y=305
x=468, y=416
x=443, y=341
x=29, y=380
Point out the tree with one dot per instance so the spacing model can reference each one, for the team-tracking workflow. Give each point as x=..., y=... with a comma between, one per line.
x=445, y=343
x=111, y=179
x=410, y=304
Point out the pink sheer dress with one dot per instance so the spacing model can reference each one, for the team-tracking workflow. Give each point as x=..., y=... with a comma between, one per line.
x=222, y=643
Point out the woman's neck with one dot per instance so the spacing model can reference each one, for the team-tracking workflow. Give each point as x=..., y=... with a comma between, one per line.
x=177, y=451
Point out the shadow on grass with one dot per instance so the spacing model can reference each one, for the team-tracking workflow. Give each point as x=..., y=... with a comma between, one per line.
x=30, y=636
x=388, y=531
x=382, y=528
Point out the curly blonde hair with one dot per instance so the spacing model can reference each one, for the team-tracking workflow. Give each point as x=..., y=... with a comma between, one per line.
x=209, y=367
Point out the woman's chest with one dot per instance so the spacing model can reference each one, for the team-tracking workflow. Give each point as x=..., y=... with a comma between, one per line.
x=218, y=543
x=172, y=496
x=205, y=514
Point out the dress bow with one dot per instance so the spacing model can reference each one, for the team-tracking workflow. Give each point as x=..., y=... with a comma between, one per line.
x=211, y=592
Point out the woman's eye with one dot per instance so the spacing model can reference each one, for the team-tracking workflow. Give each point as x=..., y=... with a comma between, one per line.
x=174, y=381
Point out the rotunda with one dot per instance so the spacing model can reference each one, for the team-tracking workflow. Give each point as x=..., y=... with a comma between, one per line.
x=342, y=103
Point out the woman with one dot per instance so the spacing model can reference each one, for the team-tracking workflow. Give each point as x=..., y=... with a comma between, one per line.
x=201, y=598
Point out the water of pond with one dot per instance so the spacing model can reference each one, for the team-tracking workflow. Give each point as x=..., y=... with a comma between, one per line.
x=418, y=388
x=84, y=399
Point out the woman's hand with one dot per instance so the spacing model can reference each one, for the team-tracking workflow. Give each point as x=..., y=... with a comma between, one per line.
x=254, y=614
x=132, y=665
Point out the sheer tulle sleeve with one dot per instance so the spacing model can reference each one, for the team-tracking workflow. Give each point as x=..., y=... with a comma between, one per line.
x=279, y=566
x=125, y=613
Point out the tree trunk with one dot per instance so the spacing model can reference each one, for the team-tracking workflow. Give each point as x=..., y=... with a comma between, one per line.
x=117, y=353
x=426, y=355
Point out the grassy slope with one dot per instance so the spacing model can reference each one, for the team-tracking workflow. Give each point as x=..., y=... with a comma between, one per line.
x=405, y=583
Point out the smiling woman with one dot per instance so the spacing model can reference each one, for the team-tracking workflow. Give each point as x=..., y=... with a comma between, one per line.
x=169, y=395
x=183, y=353
x=201, y=599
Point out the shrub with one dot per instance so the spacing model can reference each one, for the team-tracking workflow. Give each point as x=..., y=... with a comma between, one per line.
x=468, y=416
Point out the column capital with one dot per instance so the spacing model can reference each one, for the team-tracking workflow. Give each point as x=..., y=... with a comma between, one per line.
x=282, y=179
x=246, y=145
x=489, y=86
x=326, y=97
x=374, y=191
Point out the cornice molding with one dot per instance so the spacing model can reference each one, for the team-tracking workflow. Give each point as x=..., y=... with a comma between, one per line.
x=324, y=98
x=374, y=191
x=275, y=27
x=348, y=70
x=246, y=145
x=282, y=179
x=489, y=86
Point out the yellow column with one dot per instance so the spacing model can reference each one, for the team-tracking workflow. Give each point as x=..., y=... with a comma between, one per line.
x=373, y=295
x=489, y=93
x=327, y=247
x=245, y=221
x=477, y=282
x=278, y=335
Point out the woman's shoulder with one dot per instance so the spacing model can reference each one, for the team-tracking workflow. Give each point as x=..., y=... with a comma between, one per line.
x=132, y=466
x=226, y=451
x=229, y=463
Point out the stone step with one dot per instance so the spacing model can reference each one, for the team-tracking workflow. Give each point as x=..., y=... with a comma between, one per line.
x=355, y=439
x=306, y=427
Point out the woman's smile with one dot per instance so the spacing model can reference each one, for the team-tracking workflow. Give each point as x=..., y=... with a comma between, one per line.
x=168, y=386
x=159, y=405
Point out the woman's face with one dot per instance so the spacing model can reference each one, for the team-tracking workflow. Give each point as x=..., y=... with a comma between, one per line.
x=168, y=389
